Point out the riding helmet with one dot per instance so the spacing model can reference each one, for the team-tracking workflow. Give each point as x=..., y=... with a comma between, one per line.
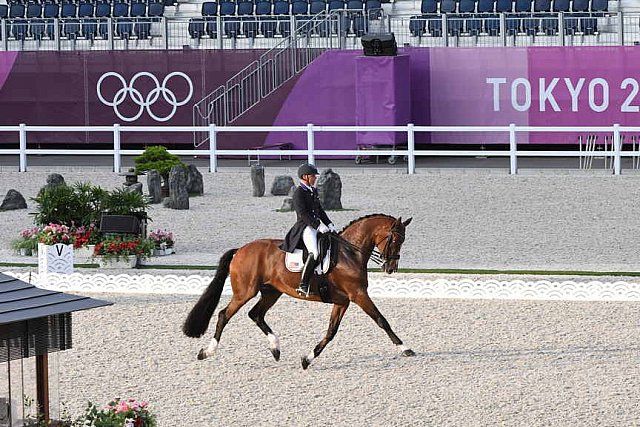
x=307, y=169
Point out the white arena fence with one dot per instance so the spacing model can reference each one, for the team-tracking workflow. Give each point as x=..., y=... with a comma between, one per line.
x=514, y=152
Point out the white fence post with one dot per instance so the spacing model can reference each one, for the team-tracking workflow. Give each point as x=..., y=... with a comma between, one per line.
x=213, y=146
x=23, y=148
x=513, y=149
x=116, y=148
x=616, y=149
x=310, y=144
x=411, y=145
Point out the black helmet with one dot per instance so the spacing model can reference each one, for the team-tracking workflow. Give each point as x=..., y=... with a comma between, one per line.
x=307, y=169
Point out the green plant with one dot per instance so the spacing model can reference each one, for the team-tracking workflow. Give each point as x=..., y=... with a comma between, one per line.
x=122, y=247
x=120, y=413
x=123, y=202
x=78, y=204
x=157, y=157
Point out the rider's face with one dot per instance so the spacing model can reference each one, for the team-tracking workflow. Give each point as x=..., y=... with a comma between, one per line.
x=310, y=179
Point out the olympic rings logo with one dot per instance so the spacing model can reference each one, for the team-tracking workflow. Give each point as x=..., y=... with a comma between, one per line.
x=129, y=91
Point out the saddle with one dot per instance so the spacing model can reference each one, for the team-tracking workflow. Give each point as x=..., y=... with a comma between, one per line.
x=294, y=261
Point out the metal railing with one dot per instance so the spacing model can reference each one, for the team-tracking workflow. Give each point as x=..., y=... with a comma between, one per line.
x=254, y=32
x=616, y=133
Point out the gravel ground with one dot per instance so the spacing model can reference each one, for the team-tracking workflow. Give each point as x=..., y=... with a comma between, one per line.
x=478, y=362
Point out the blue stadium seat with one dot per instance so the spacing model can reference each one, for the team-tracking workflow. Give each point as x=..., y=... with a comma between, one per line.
x=141, y=23
x=196, y=28
x=123, y=24
x=598, y=7
x=417, y=26
x=249, y=22
x=102, y=13
x=209, y=8
x=155, y=11
x=317, y=6
x=70, y=24
x=281, y=9
x=36, y=23
x=50, y=12
x=428, y=6
x=467, y=10
x=268, y=25
x=490, y=21
x=230, y=22
x=88, y=24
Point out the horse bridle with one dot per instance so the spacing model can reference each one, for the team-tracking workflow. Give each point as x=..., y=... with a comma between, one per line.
x=381, y=257
x=376, y=256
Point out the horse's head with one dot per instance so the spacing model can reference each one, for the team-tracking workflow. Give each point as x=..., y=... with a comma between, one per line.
x=390, y=243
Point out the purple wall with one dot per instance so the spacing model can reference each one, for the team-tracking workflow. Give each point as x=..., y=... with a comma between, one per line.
x=456, y=87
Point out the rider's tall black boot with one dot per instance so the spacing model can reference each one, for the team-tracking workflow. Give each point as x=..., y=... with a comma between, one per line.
x=307, y=271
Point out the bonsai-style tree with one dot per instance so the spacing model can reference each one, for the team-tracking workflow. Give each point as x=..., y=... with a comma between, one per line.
x=157, y=157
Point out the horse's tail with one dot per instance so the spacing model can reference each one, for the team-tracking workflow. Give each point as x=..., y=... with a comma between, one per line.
x=198, y=319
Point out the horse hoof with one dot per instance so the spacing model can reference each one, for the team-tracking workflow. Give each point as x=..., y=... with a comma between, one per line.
x=276, y=354
x=202, y=354
x=305, y=362
x=408, y=352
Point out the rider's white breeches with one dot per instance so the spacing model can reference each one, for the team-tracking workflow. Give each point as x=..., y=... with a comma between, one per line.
x=310, y=239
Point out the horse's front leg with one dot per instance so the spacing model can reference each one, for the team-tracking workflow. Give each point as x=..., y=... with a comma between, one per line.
x=336, y=317
x=364, y=301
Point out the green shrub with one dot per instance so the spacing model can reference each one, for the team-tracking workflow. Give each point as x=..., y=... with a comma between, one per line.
x=78, y=204
x=157, y=157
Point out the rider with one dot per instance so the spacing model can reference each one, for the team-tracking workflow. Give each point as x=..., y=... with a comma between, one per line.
x=311, y=219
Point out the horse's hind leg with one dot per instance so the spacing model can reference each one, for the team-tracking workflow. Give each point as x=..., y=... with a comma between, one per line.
x=223, y=318
x=336, y=317
x=269, y=296
x=364, y=301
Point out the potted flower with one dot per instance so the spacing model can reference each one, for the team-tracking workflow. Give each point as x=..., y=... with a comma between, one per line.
x=85, y=240
x=163, y=242
x=27, y=243
x=55, y=249
x=122, y=250
x=126, y=413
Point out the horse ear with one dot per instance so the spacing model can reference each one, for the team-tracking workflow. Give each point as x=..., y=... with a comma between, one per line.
x=407, y=222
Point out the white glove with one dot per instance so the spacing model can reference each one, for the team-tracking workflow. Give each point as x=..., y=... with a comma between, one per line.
x=323, y=228
x=332, y=228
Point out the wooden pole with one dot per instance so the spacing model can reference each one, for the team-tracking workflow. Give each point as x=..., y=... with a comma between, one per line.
x=42, y=385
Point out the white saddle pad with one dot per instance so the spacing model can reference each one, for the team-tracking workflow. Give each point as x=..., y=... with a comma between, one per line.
x=294, y=261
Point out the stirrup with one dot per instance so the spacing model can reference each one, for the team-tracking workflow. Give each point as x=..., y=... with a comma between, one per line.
x=303, y=292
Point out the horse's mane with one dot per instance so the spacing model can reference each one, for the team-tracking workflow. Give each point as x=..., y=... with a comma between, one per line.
x=365, y=217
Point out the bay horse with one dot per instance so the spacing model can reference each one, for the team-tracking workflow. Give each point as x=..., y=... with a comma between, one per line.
x=259, y=267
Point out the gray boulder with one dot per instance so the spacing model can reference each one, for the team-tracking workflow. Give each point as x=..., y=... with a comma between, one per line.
x=287, y=205
x=329, y=190
x=257, y=180
x=281, y=185
x=13, y=201
x=134, y=188
x=178, y=194
x=55, y=179
x=195, y=183
x=154, y=184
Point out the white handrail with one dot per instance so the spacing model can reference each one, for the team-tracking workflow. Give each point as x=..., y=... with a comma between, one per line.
x=513, y=152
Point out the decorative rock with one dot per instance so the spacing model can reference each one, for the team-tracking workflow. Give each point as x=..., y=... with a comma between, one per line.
x=134, y=188
x=154, y=184
x=12, y=201
x=329, y=190
x=195, y=183
x=55, y=179
x=281, y=185
x=257, y=180
x=178, y=194
x=287, y=205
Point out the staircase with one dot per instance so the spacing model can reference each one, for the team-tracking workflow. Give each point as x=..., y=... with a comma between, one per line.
x=310, y=38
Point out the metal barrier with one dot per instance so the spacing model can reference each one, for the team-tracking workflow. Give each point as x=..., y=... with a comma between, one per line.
x=615, y=132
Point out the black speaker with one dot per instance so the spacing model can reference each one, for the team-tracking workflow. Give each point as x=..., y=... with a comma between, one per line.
x=379, y=44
